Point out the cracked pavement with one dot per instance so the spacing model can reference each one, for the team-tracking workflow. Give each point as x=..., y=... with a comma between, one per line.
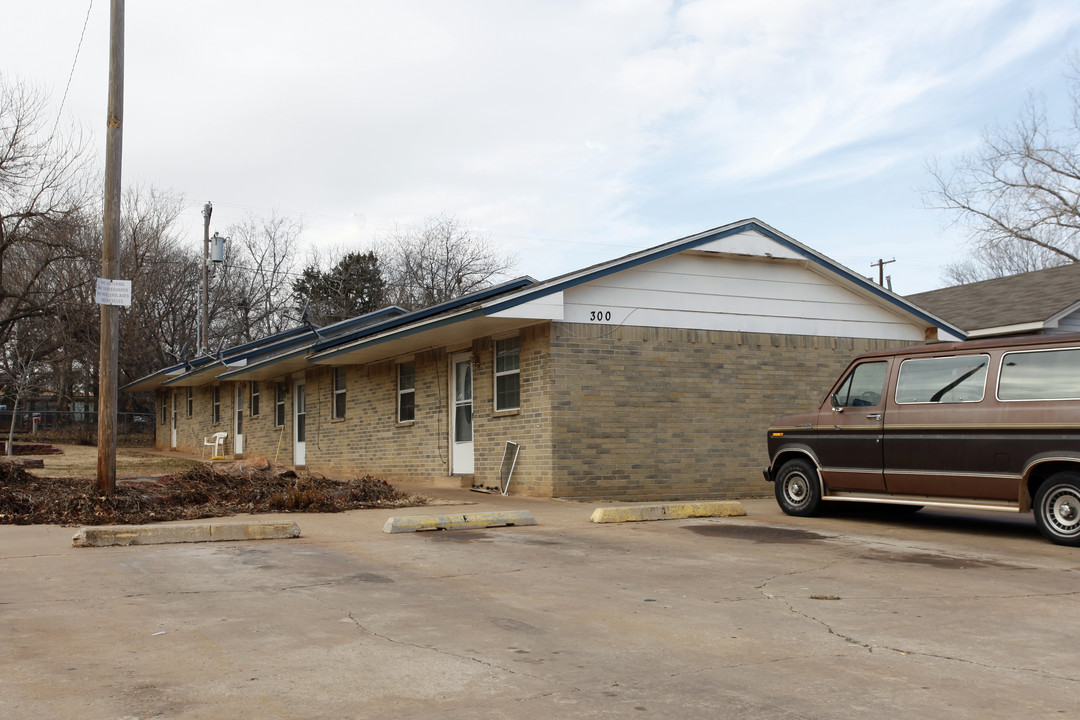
x=933, y=614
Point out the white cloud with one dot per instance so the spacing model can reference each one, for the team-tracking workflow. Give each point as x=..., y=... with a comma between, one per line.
x=605, y=122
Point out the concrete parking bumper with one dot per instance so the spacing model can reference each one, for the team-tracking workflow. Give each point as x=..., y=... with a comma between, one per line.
x=668, y=511
x=458, y=521
x=110, y=535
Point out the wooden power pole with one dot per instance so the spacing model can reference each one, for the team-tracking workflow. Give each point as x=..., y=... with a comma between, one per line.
x=204, y=302
x=108, y=378
x=880, y=265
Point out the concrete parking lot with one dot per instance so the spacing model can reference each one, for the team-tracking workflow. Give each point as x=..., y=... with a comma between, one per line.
x=933, y=615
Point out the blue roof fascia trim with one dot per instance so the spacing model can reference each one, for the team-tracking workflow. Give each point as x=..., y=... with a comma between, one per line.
x=403, y=333
x=703, y=239
x=153, y=376
x=241, y=351
x=301, y=346
x=276, y=337
x=264, y=349
x=423, y=313
x=287, y=355
x=389, y=311
x=299, y=336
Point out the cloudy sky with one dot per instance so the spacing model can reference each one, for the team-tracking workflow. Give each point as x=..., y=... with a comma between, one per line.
x=570, y=132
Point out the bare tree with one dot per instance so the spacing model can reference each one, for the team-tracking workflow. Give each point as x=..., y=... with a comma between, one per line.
x=253, y=288
x=43, y=189
x=1006, y=259
x=1018, y=196
x=440, y=260
x=21, y=368
x=165, y=280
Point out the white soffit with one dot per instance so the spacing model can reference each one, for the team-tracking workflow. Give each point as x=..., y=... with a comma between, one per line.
x=750, y=243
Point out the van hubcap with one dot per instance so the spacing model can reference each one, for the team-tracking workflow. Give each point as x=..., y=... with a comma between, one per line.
x=1064, y=510
x=796, y=489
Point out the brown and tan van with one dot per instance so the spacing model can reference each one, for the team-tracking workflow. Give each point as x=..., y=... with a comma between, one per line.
x=987, y=424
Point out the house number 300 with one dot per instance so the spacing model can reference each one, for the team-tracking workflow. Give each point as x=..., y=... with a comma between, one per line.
x=600, y=316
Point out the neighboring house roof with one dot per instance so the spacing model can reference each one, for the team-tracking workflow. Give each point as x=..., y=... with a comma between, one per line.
x=1030, y=302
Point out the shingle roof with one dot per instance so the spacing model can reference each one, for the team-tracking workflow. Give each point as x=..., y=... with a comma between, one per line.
x=1032, y=297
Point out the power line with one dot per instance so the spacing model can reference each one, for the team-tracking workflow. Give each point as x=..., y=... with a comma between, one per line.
x=386, y=226
x=71, y=74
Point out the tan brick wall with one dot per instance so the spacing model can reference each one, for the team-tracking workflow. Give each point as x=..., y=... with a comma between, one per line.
x=634, y=413
x=371, y=441
x=261, y=435
x=656, y=413
x=530, y=426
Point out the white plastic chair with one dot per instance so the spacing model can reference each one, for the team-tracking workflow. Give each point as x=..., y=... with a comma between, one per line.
x=216, y=441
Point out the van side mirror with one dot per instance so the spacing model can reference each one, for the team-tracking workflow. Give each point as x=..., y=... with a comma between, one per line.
x=836, y=406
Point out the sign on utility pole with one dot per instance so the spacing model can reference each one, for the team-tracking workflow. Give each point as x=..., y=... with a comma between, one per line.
x=110, y=264
x=113, y=292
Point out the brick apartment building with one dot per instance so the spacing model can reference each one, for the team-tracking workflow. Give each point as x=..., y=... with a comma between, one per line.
x=650, y=376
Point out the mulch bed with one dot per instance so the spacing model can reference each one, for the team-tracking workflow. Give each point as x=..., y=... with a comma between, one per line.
x=201, y=492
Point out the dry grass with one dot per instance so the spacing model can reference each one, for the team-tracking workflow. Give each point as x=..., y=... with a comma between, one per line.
x=80, y=461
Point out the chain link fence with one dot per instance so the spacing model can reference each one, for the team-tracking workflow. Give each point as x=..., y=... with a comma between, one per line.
x=74, y=426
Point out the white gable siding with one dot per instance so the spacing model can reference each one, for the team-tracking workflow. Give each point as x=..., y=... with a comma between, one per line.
x=1068, y=324
x=751, y=243
x=695, y=291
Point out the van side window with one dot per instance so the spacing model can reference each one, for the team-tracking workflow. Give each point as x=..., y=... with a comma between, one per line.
x=1040, y=375
x=863, y=386
x=957, y=379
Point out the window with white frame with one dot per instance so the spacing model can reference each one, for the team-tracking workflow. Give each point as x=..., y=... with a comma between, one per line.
x=508, y=374
x=253, y=403
x=190, y=401
x=339, y=393
x=406, y=391
x=216, y=412
x=279, y=409
x=164, y=407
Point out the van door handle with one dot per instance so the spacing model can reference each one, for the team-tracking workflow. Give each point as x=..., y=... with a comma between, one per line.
x=873, y=416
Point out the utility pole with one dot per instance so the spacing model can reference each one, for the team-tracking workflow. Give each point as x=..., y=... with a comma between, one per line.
x=204, y=302
x=108, y=379
x=880, y=265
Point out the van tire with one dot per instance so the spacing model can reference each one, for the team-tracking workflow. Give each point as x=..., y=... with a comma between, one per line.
x=798, y=489
x=1057, y=508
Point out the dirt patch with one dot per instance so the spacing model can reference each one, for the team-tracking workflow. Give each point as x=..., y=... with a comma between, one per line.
x=80, y=461
x=199, y=492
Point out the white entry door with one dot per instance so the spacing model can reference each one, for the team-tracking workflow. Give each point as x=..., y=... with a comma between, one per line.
x=238, y=429
x=172, y=423
x=299, y=424
x=461, y=414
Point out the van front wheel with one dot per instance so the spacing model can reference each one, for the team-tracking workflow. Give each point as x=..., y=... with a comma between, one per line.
x=1057, y=508
x=798, y=491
